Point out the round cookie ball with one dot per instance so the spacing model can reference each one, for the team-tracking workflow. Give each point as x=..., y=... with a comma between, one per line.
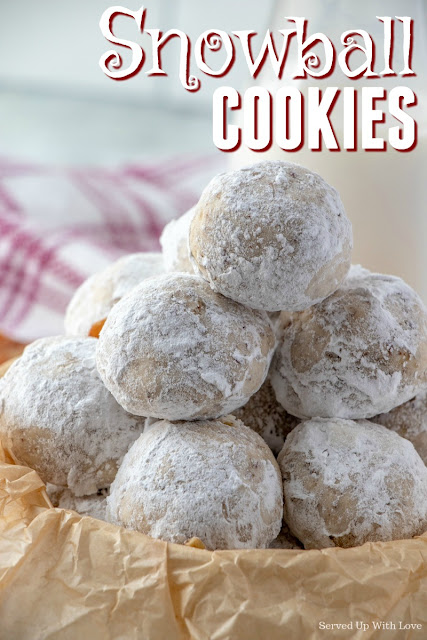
x=174, y=242
x=59, y=419
x=94, y=299
x=347, y=483
x=360, y=352
x=175, y=349
x=213, y=480
x=272, y=236
x=266, y=416
x=94, y=505
x=409, y=421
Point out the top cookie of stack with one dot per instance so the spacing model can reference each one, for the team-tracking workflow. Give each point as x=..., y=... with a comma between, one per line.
x=274, y=236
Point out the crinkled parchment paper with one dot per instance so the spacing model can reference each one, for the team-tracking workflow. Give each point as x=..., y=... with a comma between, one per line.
x=71, y=577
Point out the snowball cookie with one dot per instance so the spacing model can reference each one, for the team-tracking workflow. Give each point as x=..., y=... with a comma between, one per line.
x=272, y=236
x=94, y=299
x=346, y=483
x=174, y=242
x=266, y=416
x=94, y=505
x=59, y=419
x=175, y=349
x=409, y=421
x=214, y=480
x=360, y=352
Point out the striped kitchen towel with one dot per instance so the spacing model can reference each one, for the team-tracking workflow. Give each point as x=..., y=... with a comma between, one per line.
x=60, y=225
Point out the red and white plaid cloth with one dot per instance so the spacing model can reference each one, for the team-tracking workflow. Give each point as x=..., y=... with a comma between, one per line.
x=58, y=226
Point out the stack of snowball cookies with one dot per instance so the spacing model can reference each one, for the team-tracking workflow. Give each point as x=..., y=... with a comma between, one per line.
x=245, y=388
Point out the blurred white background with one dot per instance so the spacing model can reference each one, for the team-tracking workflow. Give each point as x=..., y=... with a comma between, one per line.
x=57, y=105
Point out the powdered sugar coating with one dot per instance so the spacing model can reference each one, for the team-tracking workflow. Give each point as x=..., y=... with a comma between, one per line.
x=360, y=352
x=272, y=236
x=94, y=299
x=175, y=349
x=347, y=483
x=59, y=419
x=174, y=241
x=266, y=416
x=214, y=480
x=94, y=505
x=409, y=420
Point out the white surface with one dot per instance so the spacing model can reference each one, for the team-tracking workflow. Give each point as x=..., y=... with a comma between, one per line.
x=57, y=105
x=67, y=130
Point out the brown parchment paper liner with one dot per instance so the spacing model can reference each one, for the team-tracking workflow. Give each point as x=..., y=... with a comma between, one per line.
x=71, y=577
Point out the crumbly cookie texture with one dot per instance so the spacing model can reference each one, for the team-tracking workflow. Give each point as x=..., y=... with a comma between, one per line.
x=273, y=236
x=214, y=480
x=346, y=483
x=360, y=352
x=409, y=420
x=285, y=540
x=266, y=416
x=59, y=419
x=94, y=505
x=174, y=242
x=175, y=349
x=94, y=299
